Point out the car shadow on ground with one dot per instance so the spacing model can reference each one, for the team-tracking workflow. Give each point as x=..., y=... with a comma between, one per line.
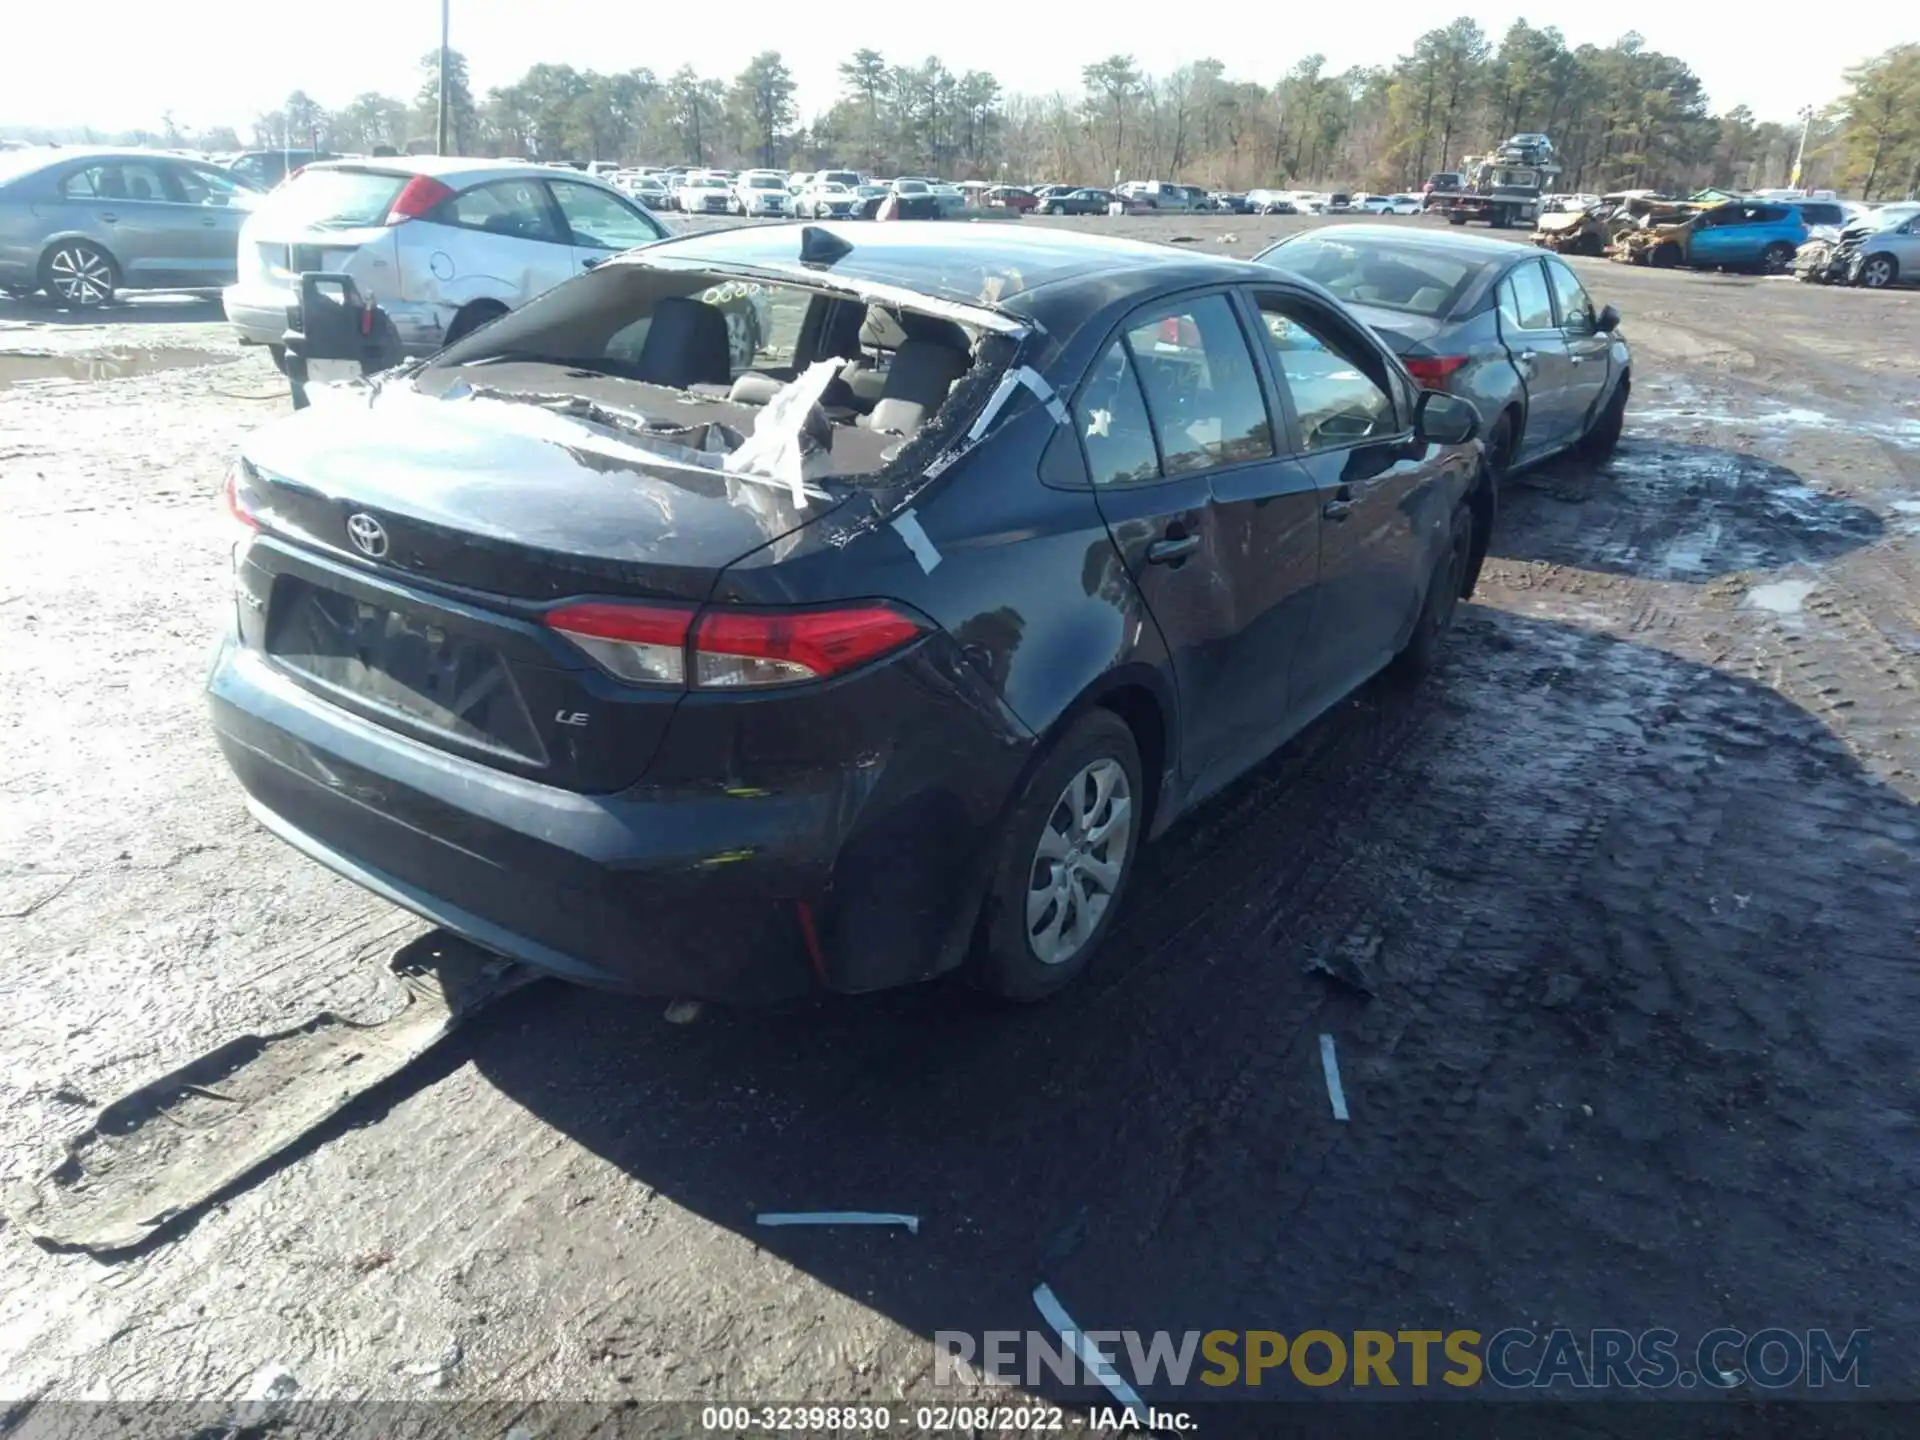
x=1664, y=510
x=147, y=308
x=1618, y=911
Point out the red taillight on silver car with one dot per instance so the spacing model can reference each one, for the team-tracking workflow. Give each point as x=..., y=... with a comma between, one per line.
x=418, y=196
x=733, y=649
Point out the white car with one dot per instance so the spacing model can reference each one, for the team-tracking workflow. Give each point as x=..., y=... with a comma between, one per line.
x=1372, y=204
x=442, y=243
x=704, y=195
x=1402, y=205
x=761, y=192
x=828, y=200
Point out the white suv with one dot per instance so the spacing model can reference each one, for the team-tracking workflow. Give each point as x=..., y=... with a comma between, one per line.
x=443, y=244
x=760, y=192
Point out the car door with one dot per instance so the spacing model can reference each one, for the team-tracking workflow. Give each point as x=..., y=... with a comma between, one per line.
x=1350, y=414
x=502, y=240
x=1588, y=350
x=128, y=205
x=1531, y=333
x=1216, y=530
x=213, y=207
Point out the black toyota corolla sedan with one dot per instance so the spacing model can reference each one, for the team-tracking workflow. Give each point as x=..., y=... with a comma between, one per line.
x=876, y=656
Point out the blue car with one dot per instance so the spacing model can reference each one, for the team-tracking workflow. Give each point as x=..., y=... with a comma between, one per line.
x=1750, y=234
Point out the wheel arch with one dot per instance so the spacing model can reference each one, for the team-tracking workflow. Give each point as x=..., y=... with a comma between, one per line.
x=1142, y=697
x=472, y=315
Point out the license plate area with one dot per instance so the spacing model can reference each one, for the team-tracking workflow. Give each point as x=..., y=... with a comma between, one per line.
x=401, y=666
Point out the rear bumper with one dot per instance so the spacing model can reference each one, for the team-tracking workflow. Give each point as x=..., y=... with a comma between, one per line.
x=687, y=890
x=259, y=314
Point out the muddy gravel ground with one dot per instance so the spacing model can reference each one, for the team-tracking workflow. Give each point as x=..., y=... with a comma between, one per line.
x=1636, y=876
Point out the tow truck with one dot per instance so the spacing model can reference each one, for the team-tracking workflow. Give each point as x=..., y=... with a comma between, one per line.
x=1502, y=188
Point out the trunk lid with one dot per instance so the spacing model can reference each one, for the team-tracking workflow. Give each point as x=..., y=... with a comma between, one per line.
x=1400, y=330
x=411, y=546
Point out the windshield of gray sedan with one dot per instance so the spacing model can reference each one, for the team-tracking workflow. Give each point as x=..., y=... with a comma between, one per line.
x=1408, y=278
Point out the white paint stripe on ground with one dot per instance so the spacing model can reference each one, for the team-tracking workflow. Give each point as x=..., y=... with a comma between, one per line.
x=1330, y=1063
x=841, y=1217
x=1096, y=1364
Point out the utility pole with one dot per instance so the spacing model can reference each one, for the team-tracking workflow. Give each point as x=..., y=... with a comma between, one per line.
x=440, y=142
x=1800, y=155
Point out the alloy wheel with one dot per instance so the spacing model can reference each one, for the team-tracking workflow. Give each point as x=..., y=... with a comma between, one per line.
x=1877, y=273
x=80, y=275
x=1079, y=861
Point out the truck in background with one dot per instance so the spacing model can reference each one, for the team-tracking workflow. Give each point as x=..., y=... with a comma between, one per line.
x=1503, y=188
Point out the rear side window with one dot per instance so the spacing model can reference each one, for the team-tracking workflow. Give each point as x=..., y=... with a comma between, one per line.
x=203, y=185
x=1821, y=214
x=337, y=199
x=117, y=180
x=1524, y=301
x=514, y=208
x=1202, y=389
x=1111, y=416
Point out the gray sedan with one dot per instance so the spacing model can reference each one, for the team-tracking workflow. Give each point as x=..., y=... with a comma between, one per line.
x=1503, y=325
x=84, y=224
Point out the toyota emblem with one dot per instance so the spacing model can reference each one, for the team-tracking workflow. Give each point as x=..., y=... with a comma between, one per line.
x=368, y=535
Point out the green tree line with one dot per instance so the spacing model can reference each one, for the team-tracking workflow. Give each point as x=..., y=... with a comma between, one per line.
x=1621, y=115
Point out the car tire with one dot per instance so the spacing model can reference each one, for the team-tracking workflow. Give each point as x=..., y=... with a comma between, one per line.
x=80, y=274
x=1453, y=219
x=1056, y=209
x=1026, y=951
x=1604, y=438
x=1877, y=272
x=1775, y=259
x=471, y=318
x=1422, y=652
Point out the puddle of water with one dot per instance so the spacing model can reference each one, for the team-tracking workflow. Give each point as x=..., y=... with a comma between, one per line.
x=23, y=367
x=1782, y=597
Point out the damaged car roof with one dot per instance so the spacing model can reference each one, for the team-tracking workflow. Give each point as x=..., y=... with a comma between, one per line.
x=993, y=265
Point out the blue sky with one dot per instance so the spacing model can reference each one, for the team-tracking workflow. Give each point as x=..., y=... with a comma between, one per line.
x=215, y=61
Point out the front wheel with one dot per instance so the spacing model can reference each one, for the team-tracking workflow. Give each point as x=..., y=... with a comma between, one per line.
x=1604, y=438
x=1455, y=219
x=1066, y=855
x=78, y=273
x=1878, y=271
x=1430, y=632
x=1775, y=259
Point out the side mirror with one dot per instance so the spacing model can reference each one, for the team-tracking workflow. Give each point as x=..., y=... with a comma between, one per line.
x=1608, y=321
x=1443, y=419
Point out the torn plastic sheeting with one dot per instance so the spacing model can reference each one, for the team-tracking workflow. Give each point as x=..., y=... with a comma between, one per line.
x=792, y=438
x=1024, y=375
x=910, y=1223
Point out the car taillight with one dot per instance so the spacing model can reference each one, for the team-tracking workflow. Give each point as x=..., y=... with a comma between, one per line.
x=749, y=649
x=733, y=649
x=239, y=507
x=646, y=644
x=1433, y=369
x=416, y=198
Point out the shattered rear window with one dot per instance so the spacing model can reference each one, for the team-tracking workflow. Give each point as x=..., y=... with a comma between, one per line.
x=964, y=264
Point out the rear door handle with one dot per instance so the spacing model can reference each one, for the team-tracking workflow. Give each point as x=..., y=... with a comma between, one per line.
x=109, y=217
x=1337, y=509
x=1172, y=549
x=1527, y=357
x=590, y=262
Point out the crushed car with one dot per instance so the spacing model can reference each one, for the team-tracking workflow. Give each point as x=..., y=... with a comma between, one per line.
x=1876, y=250
x=878, y=657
